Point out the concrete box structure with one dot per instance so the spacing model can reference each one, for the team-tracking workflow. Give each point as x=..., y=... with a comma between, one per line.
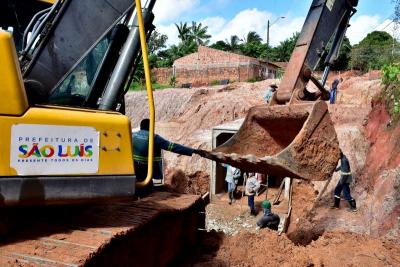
x=220, y=134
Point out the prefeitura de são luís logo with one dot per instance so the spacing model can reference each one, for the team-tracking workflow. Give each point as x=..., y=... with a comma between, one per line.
x=54, y=149
x=65, y=148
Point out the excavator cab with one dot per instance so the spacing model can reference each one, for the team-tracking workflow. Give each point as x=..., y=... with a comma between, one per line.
x=293, y=136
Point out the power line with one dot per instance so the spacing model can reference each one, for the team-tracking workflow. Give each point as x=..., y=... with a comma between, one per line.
x=387, y=25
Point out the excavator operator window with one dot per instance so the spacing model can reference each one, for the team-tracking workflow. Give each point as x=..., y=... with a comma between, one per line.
x=73, y=90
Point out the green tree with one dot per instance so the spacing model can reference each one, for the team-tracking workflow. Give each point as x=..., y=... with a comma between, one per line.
x=343, y=60
x=396, y=11
x=253, y=37
x=220, y=45
x=252, y=46
x=284, y=50
x=374, y=51
x=183, y=31
x=199, y=33
x=157, y=42
x=233, y=43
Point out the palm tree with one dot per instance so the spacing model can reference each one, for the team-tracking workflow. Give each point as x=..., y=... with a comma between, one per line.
x=233, y=43
x=199, y=33
x=253, y=37
x=183, y=31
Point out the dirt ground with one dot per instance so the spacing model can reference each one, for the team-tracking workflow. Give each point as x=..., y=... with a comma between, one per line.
x=268, y=249
x=317, y=235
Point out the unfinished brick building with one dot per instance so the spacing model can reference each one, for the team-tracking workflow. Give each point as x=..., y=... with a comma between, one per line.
x=210, y=66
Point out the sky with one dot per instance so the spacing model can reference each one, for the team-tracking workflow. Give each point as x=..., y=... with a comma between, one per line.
x=225, y=18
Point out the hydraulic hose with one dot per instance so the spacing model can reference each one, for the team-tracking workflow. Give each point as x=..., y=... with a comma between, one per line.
x=149, y=89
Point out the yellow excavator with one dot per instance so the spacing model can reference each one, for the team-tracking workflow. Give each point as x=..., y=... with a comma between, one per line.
x=64, y=137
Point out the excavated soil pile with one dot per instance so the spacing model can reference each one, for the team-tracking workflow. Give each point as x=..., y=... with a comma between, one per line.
x=268, y=249
x=197, y=183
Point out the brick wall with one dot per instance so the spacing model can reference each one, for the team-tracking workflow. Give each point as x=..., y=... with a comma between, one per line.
x=208, y=66
x=162, y=75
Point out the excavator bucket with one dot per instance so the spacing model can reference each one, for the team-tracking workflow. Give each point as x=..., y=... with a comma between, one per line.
x=297, y=141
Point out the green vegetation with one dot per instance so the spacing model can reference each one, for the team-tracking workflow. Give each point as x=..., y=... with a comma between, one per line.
x=390, y=74
x=215, y=82
x=137, y=86
x=377, y=49
x=172, y=81
x=253, y=80
x=391, y=91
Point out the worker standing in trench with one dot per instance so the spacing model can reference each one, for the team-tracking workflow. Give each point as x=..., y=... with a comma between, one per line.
x=232, y=178
x=140, y=140
x=344, y=184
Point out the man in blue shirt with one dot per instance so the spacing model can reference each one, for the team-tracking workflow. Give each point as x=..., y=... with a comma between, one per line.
x=269, y=93
x=333, y=91
x=232, y=177
x=140, y=142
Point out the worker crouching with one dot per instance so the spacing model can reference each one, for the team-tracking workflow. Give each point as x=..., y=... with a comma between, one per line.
x=268, y=219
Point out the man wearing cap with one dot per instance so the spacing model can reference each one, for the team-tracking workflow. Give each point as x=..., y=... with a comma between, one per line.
x=268, y=219
x=140, y=141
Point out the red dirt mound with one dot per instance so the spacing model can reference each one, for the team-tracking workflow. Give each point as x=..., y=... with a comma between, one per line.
x=196, y=183
x=267, y=249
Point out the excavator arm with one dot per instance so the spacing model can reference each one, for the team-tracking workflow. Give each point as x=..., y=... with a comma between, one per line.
x=293, y=136
x=326, y=22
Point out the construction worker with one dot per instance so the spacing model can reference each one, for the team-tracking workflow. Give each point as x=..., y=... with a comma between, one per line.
x=270, y=92
x=333, y=91
x=140, y=141
x=268, y=219
x=344, y=184
x=252, y=186
x=232, y=178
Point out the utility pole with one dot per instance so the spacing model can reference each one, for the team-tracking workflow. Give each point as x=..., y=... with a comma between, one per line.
x=268, y=34
x=268, y=26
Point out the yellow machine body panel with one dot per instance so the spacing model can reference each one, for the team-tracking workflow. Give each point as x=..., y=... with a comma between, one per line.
x=13, y=100
x=113, y=131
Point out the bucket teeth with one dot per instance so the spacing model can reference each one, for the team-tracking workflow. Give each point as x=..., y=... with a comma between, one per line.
x=233, y=156
x=251, y=158
x=219, y=155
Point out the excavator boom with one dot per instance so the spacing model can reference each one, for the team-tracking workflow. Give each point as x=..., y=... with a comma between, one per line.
x=293, y=136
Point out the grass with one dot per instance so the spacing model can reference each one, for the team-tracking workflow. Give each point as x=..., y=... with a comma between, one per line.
x=142, y=87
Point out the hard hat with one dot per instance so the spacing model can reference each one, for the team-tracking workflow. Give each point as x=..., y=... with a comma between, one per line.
x=266, y=204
